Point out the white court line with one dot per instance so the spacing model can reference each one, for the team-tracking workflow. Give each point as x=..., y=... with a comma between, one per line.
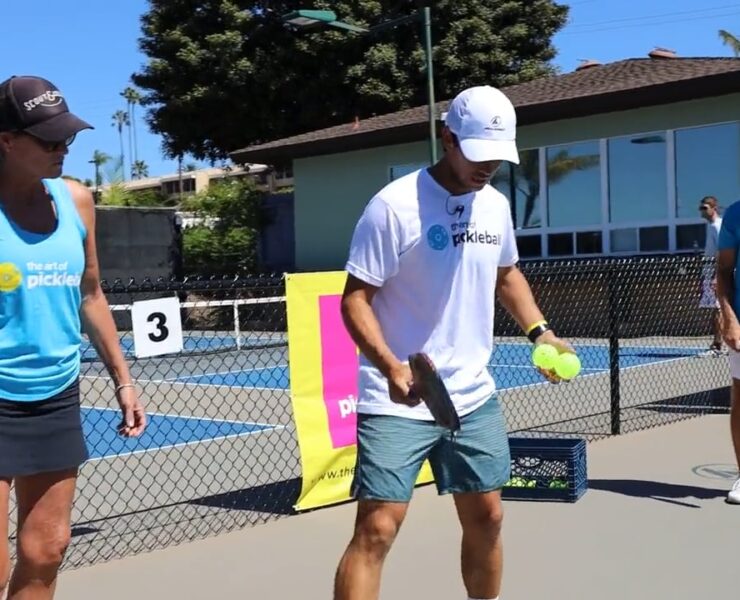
x=533, y=367
x=176, y=416
x=221, y=385
x=183, y=444
x=211, y=385
x=684, y=406
x=183, y=378
x=210, y=303
x=600, y=372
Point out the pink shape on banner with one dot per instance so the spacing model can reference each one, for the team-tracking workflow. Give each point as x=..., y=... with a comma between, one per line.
x=339, y=363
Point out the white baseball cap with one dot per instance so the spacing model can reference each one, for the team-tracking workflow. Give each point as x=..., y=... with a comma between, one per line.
x=484, y=121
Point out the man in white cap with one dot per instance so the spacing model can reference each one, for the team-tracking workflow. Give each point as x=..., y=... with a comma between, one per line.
x=427, y=255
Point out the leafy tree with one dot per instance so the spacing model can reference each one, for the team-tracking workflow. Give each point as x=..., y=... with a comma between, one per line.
x=132, y=97
x=99, y=158
x=139, y=169
x=120, y=118
x=728, y=39
x=225, y=242
x=223, y=74
x=116, y=194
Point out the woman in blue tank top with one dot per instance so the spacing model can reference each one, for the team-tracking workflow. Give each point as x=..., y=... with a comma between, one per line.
x=49, y=289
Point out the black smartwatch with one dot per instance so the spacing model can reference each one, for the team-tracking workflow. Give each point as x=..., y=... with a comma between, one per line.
x=537, y=330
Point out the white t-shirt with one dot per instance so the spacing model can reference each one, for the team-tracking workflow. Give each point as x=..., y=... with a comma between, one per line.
x=436, y=269
x=710, y=248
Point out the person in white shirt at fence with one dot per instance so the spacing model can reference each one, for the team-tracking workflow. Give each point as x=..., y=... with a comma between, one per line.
x=709, y=210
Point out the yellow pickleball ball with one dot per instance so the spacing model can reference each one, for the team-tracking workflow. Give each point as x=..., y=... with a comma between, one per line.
x=544, y=356
x=10, y=277
x=568, y=365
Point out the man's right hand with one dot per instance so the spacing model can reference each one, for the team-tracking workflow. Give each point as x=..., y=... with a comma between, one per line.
x=731, y=335
x=399, y=385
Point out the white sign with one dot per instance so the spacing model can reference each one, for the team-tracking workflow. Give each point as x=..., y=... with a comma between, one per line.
x=157, y=327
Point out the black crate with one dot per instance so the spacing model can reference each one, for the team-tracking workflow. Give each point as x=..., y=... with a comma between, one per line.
x=547, y=469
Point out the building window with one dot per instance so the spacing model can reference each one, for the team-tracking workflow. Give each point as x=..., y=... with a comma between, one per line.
x=638, y=188
x=173, y=187
x=521, y=184
x=588, y=242
x=560, y=244
x=623, y=240
x=707, y=164
x=574, y=185
x=529, y=246
x=691, y=237
x=653, y=239
x=643, y=239
x=572, y=244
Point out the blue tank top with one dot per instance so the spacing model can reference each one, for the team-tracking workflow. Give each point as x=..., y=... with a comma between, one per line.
x=40, y=329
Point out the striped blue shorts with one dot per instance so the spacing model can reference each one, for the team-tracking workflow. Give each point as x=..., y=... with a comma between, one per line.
x=391, y=451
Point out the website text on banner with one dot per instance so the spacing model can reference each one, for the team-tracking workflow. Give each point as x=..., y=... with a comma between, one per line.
x=323, y=363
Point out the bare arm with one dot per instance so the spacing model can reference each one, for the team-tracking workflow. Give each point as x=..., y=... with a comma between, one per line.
x=97, y=319
x=363, y=327
x=726, y=296
x=516, y=297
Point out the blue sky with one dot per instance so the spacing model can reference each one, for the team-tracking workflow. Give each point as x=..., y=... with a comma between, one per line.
x=89, y=49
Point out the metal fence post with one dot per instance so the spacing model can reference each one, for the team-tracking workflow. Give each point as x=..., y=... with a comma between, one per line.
x=612, y=274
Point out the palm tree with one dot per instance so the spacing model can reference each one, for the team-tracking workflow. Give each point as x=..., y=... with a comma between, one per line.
x=99, y=158
x=730, y=40
x=133, y=97
x=139, y=169
x=526, y=177
x=120, y=118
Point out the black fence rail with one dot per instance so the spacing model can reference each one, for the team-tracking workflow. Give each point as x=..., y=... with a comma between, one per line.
x=220, y=452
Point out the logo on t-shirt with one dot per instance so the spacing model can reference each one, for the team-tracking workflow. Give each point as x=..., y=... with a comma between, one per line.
x=472, y=236
x=437, y=237
x=51, y=275
x=462, y=233
x=10, y=277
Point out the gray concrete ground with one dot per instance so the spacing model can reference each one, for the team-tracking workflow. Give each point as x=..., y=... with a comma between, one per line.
x=653, y=525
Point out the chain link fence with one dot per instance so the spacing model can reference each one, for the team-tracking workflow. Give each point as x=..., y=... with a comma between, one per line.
x=220, y=452
x=643, y=339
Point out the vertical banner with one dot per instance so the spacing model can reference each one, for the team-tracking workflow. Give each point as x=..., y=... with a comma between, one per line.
x=323, y=384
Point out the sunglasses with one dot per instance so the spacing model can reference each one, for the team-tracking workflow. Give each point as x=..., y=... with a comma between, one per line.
x=704, y=207
x=50, y=146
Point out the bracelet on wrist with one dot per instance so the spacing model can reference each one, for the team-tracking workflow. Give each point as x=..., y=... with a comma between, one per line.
x=537, y=329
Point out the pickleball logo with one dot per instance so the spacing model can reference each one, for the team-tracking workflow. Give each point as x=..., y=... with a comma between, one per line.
x=10, y=277
x=437, y=237
x=339, y=364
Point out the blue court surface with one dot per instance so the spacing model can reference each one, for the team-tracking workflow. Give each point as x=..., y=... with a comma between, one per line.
x=163, y=431
x=511, y=366
x=270, y=378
